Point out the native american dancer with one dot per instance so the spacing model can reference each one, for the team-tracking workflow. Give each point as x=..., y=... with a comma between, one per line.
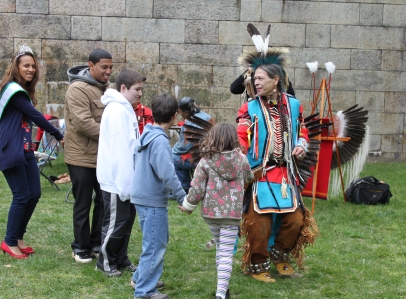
x=276, y=223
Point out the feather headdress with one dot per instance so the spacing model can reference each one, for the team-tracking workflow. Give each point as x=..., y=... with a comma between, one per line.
x=263, y=54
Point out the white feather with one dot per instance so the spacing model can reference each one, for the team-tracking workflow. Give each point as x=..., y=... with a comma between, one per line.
x=258, y=42
x=330, y=67
x=312, y=66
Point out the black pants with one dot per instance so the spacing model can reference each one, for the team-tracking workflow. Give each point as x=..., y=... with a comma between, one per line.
x=118, y=221
x=84, y=181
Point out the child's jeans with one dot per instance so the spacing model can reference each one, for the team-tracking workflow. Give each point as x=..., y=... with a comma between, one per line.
x=155, y=237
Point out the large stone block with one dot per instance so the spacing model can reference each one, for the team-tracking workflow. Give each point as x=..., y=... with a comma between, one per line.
x=221, y=55
x=394, y=60
x=367, y=37
x=149, y=92
x=161, y=74
x=365, y=1
x=143, y=30
x=32, y=6
x=142, y=52
x=287, y=35
x=300, y=56
x=56, y=92
x=35, y=26
x=310, y=12
x=375, y=143
x=392, y=143
x=250, y=10
x=359, y=80
x=202, y=95
x=395, y=102
x=371, y=14
x=339, y=100
x=318, y=36
x=195, y=75
x=139, y=8
x=6, y=48
x=201, y=32
x=86, y=28
x=202, y=10
x=224, y=76
x=394, y=15
x=366, y=60
x=386, y=123
x=88, y=8
x=56, y=71
x=371, y=101
x=7, y=6
x=225, y=105
x=78, y=50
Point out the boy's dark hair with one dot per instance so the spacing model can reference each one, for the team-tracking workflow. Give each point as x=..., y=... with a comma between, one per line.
x=128, y=77
x=98, y=54
x=222, y=137
x=164, y=106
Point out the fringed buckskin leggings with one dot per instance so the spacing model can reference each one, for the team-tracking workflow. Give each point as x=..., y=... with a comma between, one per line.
x=258, y=231
x=225, y=236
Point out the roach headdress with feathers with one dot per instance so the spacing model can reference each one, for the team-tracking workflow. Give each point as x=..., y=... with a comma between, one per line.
x=264, y=55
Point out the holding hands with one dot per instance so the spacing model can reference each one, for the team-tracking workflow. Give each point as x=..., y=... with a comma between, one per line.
x=183, y=209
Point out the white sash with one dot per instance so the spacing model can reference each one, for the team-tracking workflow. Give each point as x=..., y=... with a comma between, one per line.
x=9, y=90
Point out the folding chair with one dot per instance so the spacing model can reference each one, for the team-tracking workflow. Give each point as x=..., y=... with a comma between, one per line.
x=47, y=150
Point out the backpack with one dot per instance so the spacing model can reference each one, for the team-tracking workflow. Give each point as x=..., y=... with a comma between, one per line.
x=368, y=190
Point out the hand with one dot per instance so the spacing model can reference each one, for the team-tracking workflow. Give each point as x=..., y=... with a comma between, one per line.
x=182, y=209
x=298, y=152
x=62, y=142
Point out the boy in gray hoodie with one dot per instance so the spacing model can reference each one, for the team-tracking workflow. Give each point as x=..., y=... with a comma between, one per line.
x=154, y=180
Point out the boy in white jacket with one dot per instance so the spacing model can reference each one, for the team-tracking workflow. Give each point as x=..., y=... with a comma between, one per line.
x=115, y=170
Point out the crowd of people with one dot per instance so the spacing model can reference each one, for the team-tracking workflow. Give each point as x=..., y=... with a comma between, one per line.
x=120, y=161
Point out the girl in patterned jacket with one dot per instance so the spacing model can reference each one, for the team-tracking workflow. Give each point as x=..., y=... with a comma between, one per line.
x=219, y=182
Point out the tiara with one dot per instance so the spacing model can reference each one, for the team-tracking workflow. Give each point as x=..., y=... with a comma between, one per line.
x=24, y=49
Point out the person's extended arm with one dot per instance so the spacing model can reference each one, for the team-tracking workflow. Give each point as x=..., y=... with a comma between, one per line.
x=198, y=187
x=21, y=102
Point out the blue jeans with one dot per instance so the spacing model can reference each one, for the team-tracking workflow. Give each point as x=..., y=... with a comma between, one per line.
x=183, y=169
x=24, y=183
x=155, y=236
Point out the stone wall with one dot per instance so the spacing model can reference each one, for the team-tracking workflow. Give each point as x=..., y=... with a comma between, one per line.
x=191, y=47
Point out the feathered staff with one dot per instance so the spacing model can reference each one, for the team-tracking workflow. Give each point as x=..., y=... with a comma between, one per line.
x=313, y=69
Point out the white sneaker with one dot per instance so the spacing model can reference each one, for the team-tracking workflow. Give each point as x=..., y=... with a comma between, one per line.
x=82, y=257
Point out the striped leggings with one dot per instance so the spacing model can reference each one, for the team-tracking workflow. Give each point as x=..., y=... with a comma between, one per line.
x=225, y=236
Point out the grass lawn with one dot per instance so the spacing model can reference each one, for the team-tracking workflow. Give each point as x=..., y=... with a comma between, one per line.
x=361, y=252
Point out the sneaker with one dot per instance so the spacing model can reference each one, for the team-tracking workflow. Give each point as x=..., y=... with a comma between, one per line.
x=159, y=285
x=155, y=296
x=95, y=254
x=132, y=268
x=112, y=273
x=82, y=257
x=227, y=295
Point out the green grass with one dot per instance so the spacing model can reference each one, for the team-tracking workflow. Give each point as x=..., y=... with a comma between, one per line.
x=360, y=253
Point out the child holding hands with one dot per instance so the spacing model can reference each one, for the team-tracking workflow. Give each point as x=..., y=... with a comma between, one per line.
x=218, y=182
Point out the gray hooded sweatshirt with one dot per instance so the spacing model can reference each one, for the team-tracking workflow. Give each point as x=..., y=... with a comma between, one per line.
x=155, y=176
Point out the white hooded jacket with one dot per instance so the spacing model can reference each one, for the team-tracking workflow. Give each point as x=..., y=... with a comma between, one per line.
x=118, y=135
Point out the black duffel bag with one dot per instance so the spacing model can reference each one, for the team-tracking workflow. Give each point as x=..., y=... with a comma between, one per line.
x=368, y=190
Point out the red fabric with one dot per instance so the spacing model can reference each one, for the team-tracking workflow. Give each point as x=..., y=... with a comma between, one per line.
x=144, y=116
x=323, y=169
x=40, y=132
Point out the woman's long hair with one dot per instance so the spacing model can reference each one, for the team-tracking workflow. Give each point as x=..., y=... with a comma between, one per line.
x=13, y=75
x=222, y=137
